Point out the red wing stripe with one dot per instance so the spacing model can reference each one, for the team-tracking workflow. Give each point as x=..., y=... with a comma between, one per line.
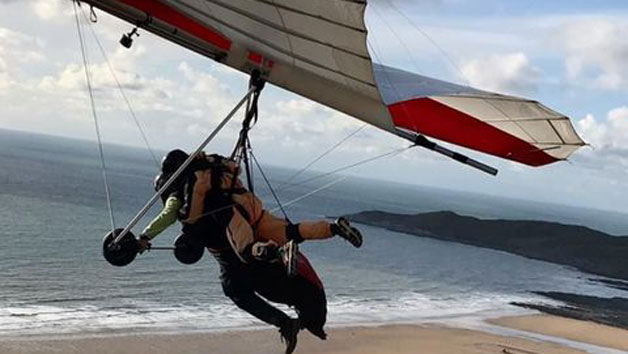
x=429, y=117
x=168, y=14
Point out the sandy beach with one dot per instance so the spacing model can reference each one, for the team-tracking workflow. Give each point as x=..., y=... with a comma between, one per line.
x=581, y=331
x=401, y=339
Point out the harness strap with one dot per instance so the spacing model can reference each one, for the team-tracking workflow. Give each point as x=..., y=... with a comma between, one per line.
x=244, y=213
x=293, y=233
x=218, y=172
x=240, y=152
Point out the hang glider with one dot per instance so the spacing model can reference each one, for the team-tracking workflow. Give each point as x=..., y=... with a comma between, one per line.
x=318, y=49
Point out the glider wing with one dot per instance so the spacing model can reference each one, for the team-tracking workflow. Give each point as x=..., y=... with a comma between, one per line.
x=318, y=49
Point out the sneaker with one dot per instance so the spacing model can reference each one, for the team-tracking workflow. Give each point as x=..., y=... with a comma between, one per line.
x=289, y=253
x=289, y=332
x=348, y=232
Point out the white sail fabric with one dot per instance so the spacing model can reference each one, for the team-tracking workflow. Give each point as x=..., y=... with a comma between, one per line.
x=318, y=49
x=325, y=37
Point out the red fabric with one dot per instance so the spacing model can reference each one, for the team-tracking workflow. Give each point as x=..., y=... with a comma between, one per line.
x=429, y=117
x=305, y=269
x=260, y=60
x=256, y=58
x=170, y=15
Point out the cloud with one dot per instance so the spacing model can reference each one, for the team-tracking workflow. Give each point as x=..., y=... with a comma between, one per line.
x=607, y=138
x=18, y=49
x=510, y=73
x=204, y=84
x=295, y=130
x=611, y=134
x=596, y=49
x=303, y=122
x=47, y=9
x=5, y=80
x=73, y=78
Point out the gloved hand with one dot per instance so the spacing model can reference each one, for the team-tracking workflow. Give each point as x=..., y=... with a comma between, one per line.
x=143, y=244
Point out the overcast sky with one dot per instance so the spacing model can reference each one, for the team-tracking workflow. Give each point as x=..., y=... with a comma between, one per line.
x=570, y=55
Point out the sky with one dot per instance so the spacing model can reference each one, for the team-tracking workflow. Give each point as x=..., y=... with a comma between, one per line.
x=570, y=55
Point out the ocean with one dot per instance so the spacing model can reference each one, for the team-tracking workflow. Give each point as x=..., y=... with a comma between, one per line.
x=54, y=280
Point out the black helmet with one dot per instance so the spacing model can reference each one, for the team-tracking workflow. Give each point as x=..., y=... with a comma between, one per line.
x=172, y=161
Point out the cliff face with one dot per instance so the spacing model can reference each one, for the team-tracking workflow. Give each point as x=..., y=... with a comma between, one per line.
x=580, y=247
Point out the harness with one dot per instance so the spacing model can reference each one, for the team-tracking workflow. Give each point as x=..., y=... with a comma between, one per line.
x=218, y=172
x=221, y=196
x=241, y=151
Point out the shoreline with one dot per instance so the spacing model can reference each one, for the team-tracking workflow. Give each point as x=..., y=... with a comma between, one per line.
x=525, y=333
x=462, y=320
x=588, y=332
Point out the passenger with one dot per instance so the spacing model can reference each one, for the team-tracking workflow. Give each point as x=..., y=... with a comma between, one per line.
x=246, y=274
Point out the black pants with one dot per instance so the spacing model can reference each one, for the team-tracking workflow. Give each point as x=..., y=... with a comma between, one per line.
x=245, y=285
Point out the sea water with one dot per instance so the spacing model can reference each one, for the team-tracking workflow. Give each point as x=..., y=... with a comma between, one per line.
x=54, y=280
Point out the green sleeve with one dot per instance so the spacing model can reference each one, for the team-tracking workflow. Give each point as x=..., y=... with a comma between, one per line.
x=167, y=217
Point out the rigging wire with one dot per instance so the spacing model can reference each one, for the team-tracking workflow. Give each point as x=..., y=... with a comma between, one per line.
x=298, y=199
x=356, y=164
x=415, y=62
x=319, y=157
x=443, y=52
x=287, y=184
x=181, y=168
x=386, y=76
x=378, y=57
x=270, y=187
x=121, y=90
x=94, y=115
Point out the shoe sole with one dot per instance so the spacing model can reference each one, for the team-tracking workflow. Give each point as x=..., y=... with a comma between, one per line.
x=352, y=234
